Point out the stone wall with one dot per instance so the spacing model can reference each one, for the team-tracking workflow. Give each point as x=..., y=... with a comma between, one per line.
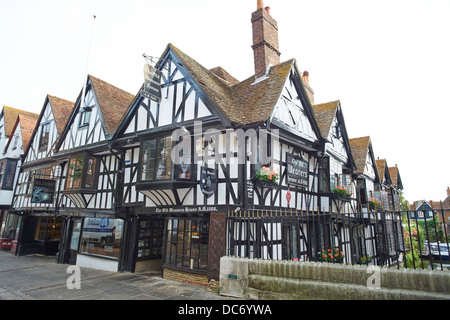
x=286, y=280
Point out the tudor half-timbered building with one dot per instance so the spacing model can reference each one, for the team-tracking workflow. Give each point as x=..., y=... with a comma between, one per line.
x=195, y=153
x=91, y=234
x=196, y=166
x=38, y=186
x=338, y=158
x=10, y=158
x=9, y=171
x=366, y=174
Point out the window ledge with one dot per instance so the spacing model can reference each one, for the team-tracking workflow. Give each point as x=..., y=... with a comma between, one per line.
x=80, y=190
x=164, y=184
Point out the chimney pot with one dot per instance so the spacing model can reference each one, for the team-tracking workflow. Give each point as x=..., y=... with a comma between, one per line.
x=265, y=40
x=260, y=4
x=306, y=77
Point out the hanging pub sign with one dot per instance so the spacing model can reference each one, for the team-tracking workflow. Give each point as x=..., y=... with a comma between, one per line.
x=43, y=191
x=208, y=181
x=297, y=171
x=152, y=84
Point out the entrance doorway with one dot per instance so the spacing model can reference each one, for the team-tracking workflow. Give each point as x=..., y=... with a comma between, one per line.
x=149, y=245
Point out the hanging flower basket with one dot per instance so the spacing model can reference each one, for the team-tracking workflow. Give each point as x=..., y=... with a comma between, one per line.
x=265, y=177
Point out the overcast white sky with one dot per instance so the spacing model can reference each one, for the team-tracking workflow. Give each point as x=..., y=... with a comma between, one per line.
x=388, y=61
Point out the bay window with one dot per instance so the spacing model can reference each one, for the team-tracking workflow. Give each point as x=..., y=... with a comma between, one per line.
x=82, y=172
x=157, y=165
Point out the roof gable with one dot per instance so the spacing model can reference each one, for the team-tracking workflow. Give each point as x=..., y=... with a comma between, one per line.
x=106, y=105
x=10, y=117
x=26, y=124
x=395, y=177
x=362, y=152
x=59, y=112
x=328, y=115
x=112, y=101
x=383, y=171
x=61, y=109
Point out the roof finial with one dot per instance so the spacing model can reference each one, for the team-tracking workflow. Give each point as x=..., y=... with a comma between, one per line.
x=260, y=4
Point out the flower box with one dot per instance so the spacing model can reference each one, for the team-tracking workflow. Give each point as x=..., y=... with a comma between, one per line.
x=263, y=183
x=265, y=177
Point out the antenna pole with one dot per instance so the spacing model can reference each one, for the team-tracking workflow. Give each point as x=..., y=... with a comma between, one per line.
x=87, y=64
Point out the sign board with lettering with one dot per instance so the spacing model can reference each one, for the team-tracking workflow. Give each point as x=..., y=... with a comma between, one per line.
x=297, y=171
x=43, y=191
x=152, y=84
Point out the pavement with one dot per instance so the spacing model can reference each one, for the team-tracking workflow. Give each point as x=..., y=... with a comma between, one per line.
x=38, y=277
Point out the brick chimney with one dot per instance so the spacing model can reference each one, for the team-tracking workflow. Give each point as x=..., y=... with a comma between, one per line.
x=265, y=40
x=448, y=191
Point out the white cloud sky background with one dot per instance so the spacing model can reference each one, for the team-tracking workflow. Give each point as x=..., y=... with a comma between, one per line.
x=387, y=61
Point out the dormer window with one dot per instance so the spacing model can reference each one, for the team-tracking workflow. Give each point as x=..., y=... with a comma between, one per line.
x=16, y=142
x=45, y=133
x=85, y=116
x=337, y=131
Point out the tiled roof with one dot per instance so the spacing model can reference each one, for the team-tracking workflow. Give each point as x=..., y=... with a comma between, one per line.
x=360, y=151
x=113, y=103
x=61, y=111
x=382, y=167
x=244, y=102
x=27, y=125
x=325, y=114
x=395, y=177
x=222, y=73
x=255, y=102
x=10, y=116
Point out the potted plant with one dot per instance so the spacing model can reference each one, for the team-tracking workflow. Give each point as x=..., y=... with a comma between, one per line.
x=365, y=260
x=375, y=204
x=266, y=177
x=332, y=255
x=340, y=190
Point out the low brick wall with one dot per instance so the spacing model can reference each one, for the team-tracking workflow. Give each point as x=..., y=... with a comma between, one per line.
x=185, y=277
x=270, y=279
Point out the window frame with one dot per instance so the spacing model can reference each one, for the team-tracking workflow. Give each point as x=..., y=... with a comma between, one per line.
x=5, y=171
x=84, y=174
x=44, y=146
x=186, y=253
x=156, y=159
x=84, y=119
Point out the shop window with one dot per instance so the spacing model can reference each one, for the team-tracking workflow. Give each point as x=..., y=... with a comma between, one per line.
x=187, y=243
x=48, y=229
x=76, y=232
x=101, y=237
x=82, y=172
x=45, y=133
x=7, y=173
